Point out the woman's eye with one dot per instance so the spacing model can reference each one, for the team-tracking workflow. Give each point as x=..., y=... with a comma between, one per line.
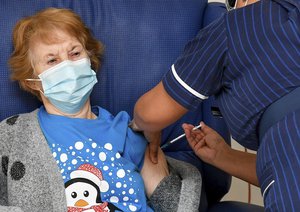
x=52, y=61
x=76, y=54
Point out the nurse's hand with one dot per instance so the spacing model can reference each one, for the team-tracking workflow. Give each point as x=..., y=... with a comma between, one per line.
x=207, y=144
x=154, y=139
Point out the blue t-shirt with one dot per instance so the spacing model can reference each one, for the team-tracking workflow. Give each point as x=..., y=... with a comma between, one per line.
x=99, y=160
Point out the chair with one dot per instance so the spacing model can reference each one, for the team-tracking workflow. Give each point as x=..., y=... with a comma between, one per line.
x=142, y=39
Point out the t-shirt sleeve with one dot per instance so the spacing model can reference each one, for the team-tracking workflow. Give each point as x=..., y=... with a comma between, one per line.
x=135, y=147
x=197, y=73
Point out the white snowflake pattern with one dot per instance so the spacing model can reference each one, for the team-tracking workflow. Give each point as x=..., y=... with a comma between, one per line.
x=72, y=156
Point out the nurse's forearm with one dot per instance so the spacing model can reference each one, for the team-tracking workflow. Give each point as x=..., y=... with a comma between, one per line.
x=239, y=164
x=156, y=110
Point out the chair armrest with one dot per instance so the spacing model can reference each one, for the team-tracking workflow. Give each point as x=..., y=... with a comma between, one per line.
x=235, y=207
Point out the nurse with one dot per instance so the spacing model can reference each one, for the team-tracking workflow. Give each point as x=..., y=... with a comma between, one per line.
x=249, y=60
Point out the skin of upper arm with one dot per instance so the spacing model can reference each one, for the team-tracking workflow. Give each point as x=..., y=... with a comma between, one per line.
x=156, y=109
x=153, y=174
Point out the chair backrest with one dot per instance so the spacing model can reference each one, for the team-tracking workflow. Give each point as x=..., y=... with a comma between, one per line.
x=142, y=39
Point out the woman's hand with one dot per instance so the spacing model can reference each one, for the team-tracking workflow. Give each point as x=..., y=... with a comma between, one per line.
x=206, y=143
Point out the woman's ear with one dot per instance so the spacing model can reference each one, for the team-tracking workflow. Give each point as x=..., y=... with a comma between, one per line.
x=34, y=84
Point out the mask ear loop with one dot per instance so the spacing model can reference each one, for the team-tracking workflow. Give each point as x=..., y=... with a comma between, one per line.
x=33, y=81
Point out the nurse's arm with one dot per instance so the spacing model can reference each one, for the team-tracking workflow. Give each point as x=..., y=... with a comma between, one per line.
x=154, y=111
x=239, y=164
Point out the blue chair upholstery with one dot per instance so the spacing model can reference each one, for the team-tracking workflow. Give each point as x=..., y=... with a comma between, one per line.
x=142, y=39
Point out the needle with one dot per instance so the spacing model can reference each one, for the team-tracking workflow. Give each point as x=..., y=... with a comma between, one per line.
x=179, y=137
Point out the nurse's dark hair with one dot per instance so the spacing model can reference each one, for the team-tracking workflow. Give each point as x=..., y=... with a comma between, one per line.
x=40, y=27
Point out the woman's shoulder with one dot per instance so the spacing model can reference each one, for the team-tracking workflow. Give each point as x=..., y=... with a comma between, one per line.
x=107, y=115
x=14, y=126
x=18, y=120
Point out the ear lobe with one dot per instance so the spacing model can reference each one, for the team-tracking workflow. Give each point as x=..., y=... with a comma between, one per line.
x=33, y=84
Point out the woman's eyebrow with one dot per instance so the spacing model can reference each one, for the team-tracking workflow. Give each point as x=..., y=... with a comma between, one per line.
x=75, y=46
x=48, y=55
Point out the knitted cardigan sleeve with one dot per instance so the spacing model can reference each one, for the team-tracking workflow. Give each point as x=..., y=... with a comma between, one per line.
x=29, y=175
x=6, y=134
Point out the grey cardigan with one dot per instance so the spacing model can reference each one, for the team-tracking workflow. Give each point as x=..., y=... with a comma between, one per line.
x=30, y=179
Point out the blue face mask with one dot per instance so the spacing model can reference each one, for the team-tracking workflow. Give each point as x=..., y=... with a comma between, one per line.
x=69, y=84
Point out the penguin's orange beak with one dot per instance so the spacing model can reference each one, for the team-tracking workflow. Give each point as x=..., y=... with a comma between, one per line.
x=81, y=203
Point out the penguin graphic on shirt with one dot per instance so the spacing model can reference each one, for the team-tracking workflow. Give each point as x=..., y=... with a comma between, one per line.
x=83, y=191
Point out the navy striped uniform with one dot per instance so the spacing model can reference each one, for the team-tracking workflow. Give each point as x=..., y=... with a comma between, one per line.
x=248, y=59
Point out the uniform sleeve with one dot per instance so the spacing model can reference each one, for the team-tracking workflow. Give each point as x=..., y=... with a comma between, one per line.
x=197, y=73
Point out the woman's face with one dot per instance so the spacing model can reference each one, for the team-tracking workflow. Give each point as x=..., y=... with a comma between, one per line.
x=64, y=47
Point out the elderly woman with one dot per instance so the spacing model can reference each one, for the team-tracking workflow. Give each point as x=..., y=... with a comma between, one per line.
x=101, y=164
